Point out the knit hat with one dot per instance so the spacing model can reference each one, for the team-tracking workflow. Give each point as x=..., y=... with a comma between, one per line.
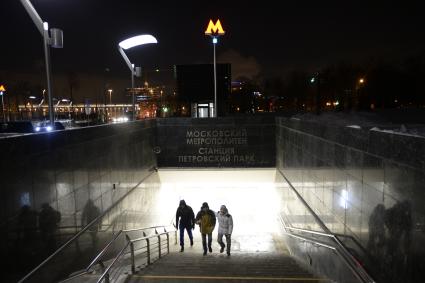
x=182, y=202
x=205, y=205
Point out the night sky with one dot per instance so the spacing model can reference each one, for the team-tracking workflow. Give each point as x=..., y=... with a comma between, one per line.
x=263, y=38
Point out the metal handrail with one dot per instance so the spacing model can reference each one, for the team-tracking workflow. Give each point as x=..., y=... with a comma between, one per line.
x=130, y=242
x=309, y=231
x=94, y=261
x=150, y=236
x=311, y=241
x=145, y=228
x=342, y=252
x=338, y=252
x=76, y=236
x=359, y=270
x=316, y=217
x=332, y=235
x=356, y=242
x=147, y=238
x=106, y=272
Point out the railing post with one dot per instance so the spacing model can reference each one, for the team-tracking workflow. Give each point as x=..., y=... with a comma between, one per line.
x=148, y=249
x=133, y=265
x=159, y=243
x=168, y=243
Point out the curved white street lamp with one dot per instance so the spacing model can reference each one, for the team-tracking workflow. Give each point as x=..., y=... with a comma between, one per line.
x=130, y=43
x=55, y=40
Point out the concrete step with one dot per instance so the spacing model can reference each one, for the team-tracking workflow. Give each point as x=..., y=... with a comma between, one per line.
x=215, y=267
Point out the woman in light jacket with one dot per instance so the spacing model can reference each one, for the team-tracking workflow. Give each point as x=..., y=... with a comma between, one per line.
x=225, y=227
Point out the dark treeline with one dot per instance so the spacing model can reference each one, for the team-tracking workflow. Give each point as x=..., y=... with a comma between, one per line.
x=343, y=86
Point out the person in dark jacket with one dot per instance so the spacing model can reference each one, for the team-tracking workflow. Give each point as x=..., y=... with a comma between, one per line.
x=187, y=221
x=206, y=220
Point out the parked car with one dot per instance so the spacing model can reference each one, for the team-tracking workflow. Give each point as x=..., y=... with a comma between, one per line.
x=18, y=127
x=45, y=126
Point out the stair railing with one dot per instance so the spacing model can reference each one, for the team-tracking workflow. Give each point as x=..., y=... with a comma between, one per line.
x=75, y=238
x=139, y=251
x=353, y=264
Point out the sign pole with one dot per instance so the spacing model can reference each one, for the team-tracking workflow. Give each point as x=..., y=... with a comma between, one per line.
x=215, y=83
x=215, y=30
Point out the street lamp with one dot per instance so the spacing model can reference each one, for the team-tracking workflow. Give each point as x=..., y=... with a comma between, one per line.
x=316, y=79
x=359, y=99
x=2, y=91
x=32, y=98
x=55, y=40
x=110, y=96
x=127, y=44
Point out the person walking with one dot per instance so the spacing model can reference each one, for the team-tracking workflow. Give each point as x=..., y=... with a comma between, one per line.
x=205, y=218
x=225, y=227
x=187, y=221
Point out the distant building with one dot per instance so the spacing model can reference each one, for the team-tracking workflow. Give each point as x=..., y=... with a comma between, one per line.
x=195, y=87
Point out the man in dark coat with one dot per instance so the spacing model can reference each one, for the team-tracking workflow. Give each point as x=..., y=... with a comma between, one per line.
x=206, y=220
x=187, y=221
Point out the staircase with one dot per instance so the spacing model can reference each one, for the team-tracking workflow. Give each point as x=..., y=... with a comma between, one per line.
x=192, y=266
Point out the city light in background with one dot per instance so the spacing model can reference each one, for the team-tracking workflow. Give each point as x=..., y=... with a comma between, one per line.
x=359, y=84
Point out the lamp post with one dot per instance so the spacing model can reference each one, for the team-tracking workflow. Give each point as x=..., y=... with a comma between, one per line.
x=110, y=96
x=359, y=98
x=316, y=80
x=215, y=30
x=214, y=41
x=32, y=98
x=2, y=91
x=127, y=44
x=55, y=41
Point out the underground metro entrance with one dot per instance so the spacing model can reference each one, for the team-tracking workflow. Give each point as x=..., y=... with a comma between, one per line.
x=253, y=197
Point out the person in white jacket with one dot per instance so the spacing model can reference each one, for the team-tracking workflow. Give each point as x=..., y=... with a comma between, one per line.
x=225, y=227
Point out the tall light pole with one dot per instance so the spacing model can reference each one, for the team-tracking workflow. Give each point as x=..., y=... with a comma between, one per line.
x=55, y=41
x=214, y=41
x=110, y=96
x=215, y=30
x=359, y=99
x=2, y=91
x=127, y=44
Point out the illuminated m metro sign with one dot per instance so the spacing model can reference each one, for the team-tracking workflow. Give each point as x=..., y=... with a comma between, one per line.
x=214, y=29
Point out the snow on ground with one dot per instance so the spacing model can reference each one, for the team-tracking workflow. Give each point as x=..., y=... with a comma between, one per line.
x=365, y=120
